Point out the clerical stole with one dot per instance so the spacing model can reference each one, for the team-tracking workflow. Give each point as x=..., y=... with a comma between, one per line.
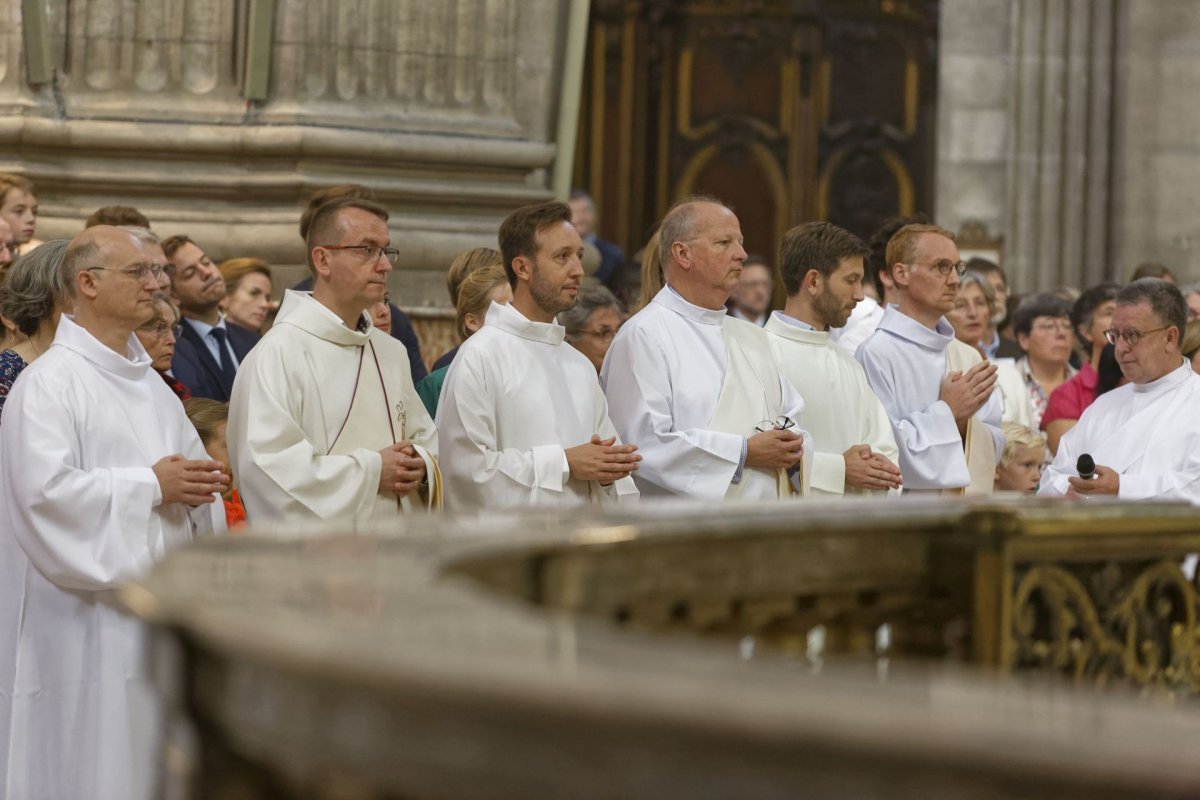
x=751, y=394
x=371, y=412
x=980, y=448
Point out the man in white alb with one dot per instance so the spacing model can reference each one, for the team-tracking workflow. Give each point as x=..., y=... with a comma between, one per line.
x=101, y=475
x=1143, y=437
x=697, y=389
x=324, y=422
x=854, y=451
x=936, y=390
x=522, y=419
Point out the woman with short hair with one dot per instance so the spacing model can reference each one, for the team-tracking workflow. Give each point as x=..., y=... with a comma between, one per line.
x=31, y=300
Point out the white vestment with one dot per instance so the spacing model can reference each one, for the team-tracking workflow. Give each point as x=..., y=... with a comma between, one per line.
x=515, y=398
x=905, y=364
x=688, y=385
x=863, y=322
x=313, y=404
x=840, y=410
x=1148, y=433
x=82, y=513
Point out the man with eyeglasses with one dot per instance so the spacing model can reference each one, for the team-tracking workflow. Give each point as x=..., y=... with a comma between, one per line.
x=324, y=422
x=209, y=352
x=1143, y=437
x=698, y=390
x=101, y=475
x=938, y=392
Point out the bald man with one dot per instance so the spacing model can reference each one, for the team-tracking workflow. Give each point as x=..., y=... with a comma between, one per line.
x=101, y=474
x=697, y=389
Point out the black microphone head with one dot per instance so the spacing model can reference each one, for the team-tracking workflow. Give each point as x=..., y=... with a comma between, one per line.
x=1086, y=465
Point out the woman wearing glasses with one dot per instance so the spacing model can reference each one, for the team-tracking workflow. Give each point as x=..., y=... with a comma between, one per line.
x=592, y=323
x=31, y=301
x=1042, y=326
x=158, y=336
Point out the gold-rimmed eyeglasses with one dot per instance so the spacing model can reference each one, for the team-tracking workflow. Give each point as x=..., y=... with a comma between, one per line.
x=946, y=266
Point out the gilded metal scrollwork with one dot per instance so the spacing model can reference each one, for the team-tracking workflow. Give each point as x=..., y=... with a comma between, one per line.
x=1131, y=622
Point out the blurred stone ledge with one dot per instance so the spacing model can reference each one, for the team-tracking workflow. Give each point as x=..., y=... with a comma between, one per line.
x=666, y=653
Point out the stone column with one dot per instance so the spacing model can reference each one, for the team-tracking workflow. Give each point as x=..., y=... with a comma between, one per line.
x=1030, y=151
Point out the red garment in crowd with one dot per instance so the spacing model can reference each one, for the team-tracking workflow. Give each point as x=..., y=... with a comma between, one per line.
x=1070, y=399
x=178, y=388
x=235, y=512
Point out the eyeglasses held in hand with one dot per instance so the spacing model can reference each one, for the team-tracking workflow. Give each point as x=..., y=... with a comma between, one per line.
x=777, y=424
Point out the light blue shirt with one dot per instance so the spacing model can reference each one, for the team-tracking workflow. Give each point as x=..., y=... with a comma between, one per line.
x=210, y=341
x=795, y=323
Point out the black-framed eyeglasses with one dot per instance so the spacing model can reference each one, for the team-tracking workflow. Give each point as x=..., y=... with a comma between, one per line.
x=370, y=251
x=1131, y=336
x=139, y=273
x=946, y=266
x=780, y=423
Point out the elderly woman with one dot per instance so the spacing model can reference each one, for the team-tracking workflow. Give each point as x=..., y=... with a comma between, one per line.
x=158, y=335
x=974, y=308
x=1043, y=328
x=1091, y=316
x=248, y=285
x=31, y=300
x=592, y=323
x=476, y=294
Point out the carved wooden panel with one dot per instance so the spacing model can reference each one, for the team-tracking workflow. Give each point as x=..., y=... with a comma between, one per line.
x=789, y=111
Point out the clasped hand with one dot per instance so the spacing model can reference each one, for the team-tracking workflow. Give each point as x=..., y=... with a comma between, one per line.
x=403, y=469
x=776, y=449
x=866, y=469
x=192, y=482
x=966, y=392
x=602, y=460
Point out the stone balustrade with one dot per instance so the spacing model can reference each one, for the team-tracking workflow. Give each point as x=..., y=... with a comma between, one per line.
x=670, y=653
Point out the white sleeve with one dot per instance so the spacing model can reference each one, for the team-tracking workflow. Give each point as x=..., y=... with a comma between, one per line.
x=694, y=462
x=476, y=471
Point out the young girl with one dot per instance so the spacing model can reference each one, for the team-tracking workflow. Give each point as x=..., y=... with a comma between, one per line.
x=209, y=417
x=1020, y=466
x=19, y=207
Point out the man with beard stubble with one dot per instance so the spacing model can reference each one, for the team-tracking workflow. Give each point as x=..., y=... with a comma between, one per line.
x=522, y=420
x=854, y=449
x=209, y=351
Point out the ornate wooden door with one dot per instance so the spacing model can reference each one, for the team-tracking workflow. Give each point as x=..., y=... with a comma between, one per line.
x=788, y=110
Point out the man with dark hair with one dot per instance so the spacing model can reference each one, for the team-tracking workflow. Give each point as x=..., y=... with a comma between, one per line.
x=210, y=349
x=854, y=449
x=118, y=216
x=101, y=475
x=522, y=418
x=1143, y=437
x=402, y=327
x=937, y=391
x=869, y=312
x=583, y=217
x=697, y=389
x=751, y=300
x=324, y=422
x=1043, y=329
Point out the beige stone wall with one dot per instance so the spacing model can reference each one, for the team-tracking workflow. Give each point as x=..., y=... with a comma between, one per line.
x=1157, y=199
x=447, y=109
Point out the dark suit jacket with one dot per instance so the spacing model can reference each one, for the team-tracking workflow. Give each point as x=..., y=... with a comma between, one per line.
x=1009, y=349
x=611, y=258
x=195, y=367
x=402, y=329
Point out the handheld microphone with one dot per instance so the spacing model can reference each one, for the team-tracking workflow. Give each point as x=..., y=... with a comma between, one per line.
x=1086, y=467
